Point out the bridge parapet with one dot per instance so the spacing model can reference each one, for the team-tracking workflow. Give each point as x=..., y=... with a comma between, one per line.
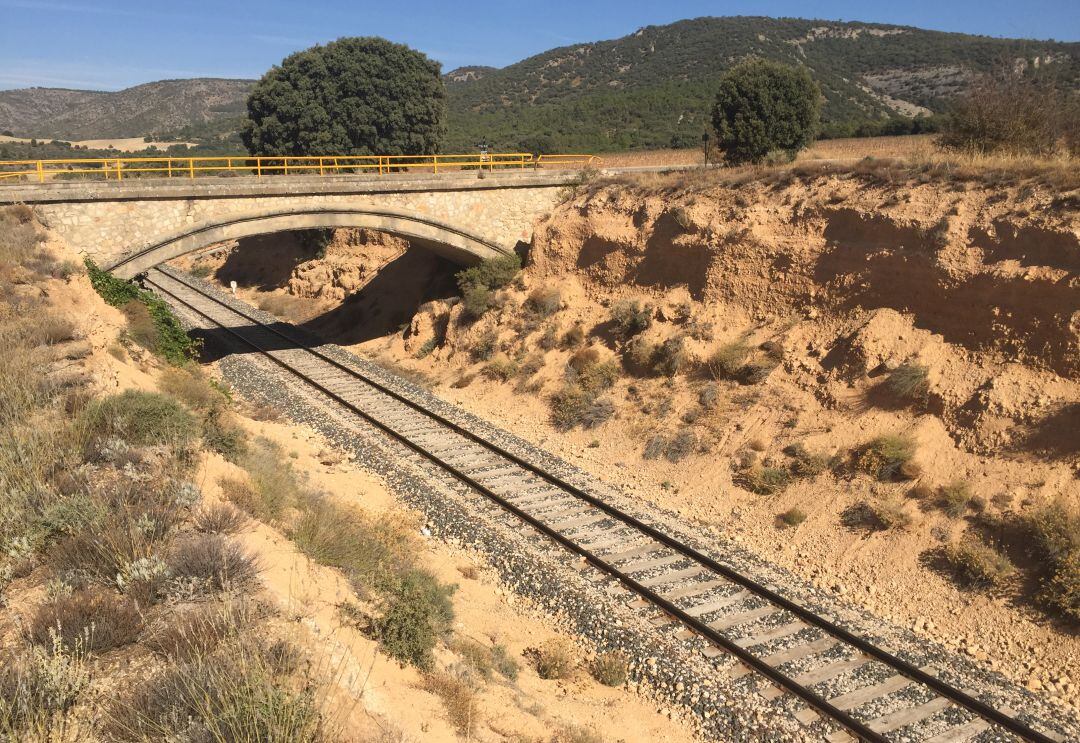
x=136, y=223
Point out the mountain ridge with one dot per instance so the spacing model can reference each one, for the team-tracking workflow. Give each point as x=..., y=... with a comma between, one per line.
x=650, y=88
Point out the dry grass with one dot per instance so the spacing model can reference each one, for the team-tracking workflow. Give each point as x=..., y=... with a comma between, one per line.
x=220, y=518
x=1055, y=531
x=192, y=632
x=214, y=561
x=791, y=517
x=978, y=564
x=555, y=660
x=610, y=669
x=94, y=619
x=459, y=698
x=285, y=306
x=192, y=386
x=888, y=457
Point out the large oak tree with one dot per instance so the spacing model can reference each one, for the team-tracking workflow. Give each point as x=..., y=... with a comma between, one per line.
x=353, y=96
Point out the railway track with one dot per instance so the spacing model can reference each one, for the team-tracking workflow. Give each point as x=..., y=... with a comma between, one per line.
x=798, y=650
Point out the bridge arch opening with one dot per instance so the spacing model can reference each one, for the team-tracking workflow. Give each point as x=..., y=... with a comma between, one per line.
x=456, y=244
x=346, y=285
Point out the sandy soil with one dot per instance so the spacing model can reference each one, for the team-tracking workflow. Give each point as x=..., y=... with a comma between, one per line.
x=850, y=276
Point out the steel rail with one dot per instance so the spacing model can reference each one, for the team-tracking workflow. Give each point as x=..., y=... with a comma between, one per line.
x=903, y=667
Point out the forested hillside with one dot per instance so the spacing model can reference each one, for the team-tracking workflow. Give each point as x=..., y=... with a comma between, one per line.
x=652, y=88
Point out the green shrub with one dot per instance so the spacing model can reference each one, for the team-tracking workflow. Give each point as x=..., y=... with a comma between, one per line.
x=485, y=660
x=371, y=552
x=909, y=381
x=416, y=613
x=555, y=660
x=476, y=300
x=140, y=418
x=953, y=499
x=169, y=339
x=792, y=517
x=631, y=317
x=806, y=463
x=763, y=106
x=1055, y=532
x=610, y=669
x=222, y=434
x=38, y=688
x=274, y=484
x=978, y=564
x=888, y=457
x=477, y=283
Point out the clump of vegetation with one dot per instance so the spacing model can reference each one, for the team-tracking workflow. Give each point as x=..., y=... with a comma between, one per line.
x=763, y=480
x=889, y=457
x=674, y=448
x=485, y=660
x=978, y=564
x=580, y=401
x=954, y=498
x=671, y=356
x=792, y=517
x=1014, y=114
x=214, y=561
x=631, y=317
x=501, y=368
x=544, y=301
x=486, y=345
x=168, y=337
x=1055, y=532
x=763, y=107
x=909, y=381
x=273, y=485
x=140, y=418
x=416, y=612
x=90, y=619
x=573, y=337
x=235, y=692
x=610, y=669
x=459, y=697
x=555, y=660
x=192, y=632
x=478, y=282
x=806, y=463
x=884, y=513
x=728, y=360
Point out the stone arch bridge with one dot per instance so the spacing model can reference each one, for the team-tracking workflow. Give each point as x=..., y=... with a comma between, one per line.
x=130, y=226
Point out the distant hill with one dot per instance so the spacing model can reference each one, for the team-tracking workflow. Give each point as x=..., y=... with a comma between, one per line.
x=167, y=106
x=652, y=88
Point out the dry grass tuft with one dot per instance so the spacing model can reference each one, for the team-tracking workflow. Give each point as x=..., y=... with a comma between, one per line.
x=94, y=619
x=978, y=564
x=555, y=660
x=610, y=669
x=220, y=518
x=459, y=697
x=214, y=561
x=888, y=457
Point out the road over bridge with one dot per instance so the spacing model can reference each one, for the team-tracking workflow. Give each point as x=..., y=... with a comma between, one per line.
x=129, y=225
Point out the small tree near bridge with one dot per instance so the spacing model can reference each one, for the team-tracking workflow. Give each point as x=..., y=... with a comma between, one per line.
x=353, y=96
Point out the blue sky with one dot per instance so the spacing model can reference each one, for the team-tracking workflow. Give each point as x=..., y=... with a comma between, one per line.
x=111, y=44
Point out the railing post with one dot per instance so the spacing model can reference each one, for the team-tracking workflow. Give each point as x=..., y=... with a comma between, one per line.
x=435, y=163
x=191, y=167
x=285, y=165
x=258, y=167
x=228, y=164
x=170, y=167
x=40, y=172
x=321, y=167
x=119, y=172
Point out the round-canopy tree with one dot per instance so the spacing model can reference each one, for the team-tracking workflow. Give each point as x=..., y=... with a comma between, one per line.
x=354, y=96
x=763, y=107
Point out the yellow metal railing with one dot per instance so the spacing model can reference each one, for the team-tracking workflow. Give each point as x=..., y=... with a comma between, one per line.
x=119, y=168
